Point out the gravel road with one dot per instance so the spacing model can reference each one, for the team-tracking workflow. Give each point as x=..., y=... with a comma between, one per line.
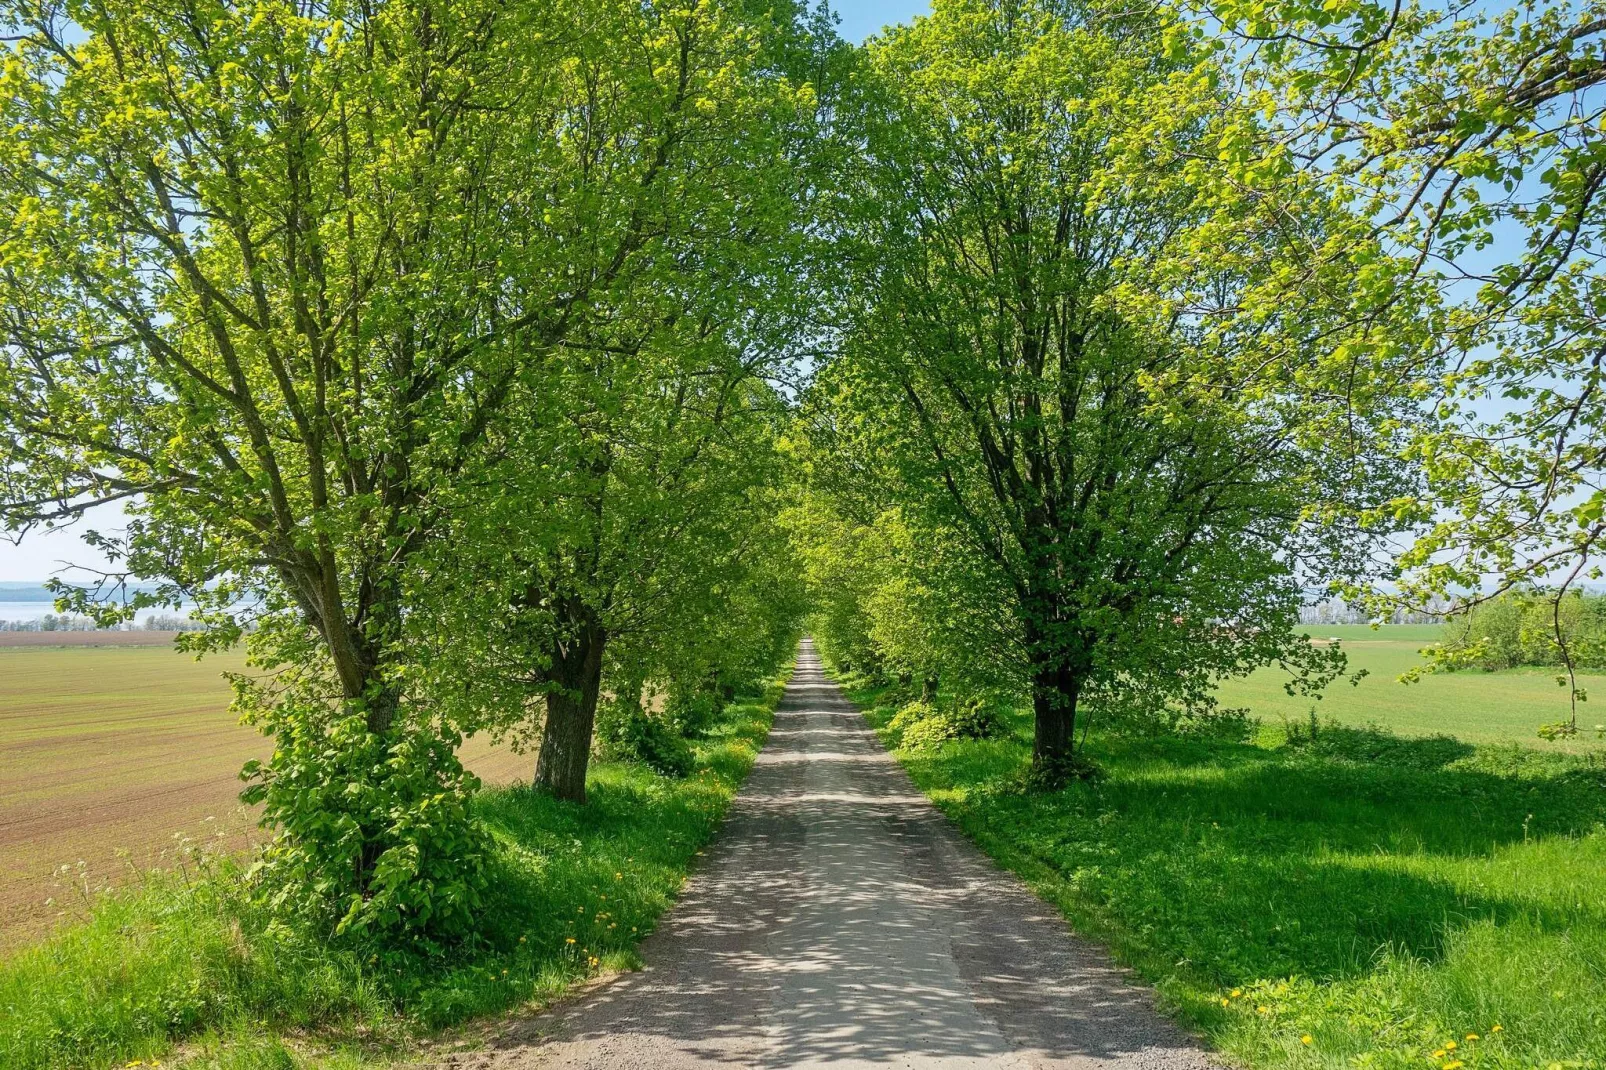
x=839, y=922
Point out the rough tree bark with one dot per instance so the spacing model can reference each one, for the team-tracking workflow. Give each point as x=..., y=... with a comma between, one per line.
x=573, y=684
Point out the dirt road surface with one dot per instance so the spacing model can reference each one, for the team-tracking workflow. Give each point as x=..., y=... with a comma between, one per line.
x=839, y=922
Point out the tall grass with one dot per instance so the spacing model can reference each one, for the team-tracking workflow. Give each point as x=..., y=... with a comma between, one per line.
x=1357, y=900
x=187, y=959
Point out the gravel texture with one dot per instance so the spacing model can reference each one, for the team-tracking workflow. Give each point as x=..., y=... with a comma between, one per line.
x=840, y=922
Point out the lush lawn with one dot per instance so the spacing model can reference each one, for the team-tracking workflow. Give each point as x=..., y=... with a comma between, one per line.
x=1479, y=707
x=1381, y=896
x=187, y=958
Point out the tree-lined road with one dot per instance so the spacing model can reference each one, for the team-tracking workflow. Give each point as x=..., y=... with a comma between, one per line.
x=840, y=922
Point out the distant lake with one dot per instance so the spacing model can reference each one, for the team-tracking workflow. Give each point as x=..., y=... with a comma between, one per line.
x=31, y=601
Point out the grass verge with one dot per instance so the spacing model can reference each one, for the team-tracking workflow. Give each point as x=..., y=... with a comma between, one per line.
x=181, y=970
x=1360, y=900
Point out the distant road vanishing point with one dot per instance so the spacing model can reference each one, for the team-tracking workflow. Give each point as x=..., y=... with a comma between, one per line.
x=839, y=922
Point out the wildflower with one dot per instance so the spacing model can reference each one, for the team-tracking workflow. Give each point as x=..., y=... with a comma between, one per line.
x=570, y=940
x=1237, y=992
x=1453, y=1064
x=1263, y=1009
x=1449, y=1045
x=1306, y=1039
x=1497, y=1028
x=1225, y=1001
x=1439, y=1054
x=618, y=876
x=521, y=939
x=1472, y=1036
x=504, y=973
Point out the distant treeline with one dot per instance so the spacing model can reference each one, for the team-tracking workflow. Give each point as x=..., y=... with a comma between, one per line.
x=67, y=622
x=1520, y=628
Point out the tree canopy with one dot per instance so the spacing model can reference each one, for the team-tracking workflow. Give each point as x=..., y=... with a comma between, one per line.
x=542, y=370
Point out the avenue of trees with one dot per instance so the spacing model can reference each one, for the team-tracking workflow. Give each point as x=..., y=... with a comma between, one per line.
x=540, y=369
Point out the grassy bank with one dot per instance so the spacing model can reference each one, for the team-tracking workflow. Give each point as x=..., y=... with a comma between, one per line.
x=185, y=958
x=1360, y=900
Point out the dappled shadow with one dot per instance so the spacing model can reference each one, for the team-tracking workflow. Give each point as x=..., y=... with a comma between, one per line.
x=839, y=921
x=1247, y=863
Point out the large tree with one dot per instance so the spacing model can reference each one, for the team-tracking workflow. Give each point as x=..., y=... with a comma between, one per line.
x=1084, y=335
x=1471, y=139
x=275, y=275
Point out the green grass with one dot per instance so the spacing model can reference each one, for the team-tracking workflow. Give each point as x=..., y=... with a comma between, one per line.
x=186, y=960
x=1479, y=707
x=1381, y=895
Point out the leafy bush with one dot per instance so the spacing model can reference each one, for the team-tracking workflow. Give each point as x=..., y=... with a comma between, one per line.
x=1519, y=628
x=376, y=842
x=978, y=718
x=921, y=725
x=654, y=743
x=690, y=711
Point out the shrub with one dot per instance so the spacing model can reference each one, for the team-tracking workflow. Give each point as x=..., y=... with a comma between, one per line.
x=655, y=744
x=920, y=725
x=908, y=716
x=376, y=841
x=978, y=718
x=690, y=711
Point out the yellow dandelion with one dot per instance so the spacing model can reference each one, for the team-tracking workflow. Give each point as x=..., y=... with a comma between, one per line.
x=504, y=973
x=570, y=940
x=618, y=876
x=1237, y=992
x=1472, y=1036
x=1263, y=1009
x=1439, y=1054
x=1306, y=1039
x=1449, y=1045
x=1225, y=1002
x=521, y=939
x=1497, y=1028
x=1453, y=1064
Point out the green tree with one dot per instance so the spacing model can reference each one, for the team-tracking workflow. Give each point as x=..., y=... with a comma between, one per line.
x=277, y=276
x=1471, y=138
x=1083, y=336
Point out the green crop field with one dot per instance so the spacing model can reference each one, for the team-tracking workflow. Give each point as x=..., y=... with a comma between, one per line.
x=1479, y=707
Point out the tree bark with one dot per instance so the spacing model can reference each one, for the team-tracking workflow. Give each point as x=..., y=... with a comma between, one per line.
x=928, y=688
x=1056, y=688
x=573, y=683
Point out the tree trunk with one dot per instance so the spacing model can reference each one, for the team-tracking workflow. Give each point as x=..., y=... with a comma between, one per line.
x=928, y=688
x=573, y=684
x=1055, y=691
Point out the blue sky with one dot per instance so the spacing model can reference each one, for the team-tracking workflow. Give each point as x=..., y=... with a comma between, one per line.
x=861, y=18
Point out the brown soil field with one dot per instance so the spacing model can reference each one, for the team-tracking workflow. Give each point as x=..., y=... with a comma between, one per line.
x=110, y=756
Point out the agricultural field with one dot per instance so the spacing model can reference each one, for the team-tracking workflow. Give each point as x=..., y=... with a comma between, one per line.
x=1478, y=707
x=113, y=755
